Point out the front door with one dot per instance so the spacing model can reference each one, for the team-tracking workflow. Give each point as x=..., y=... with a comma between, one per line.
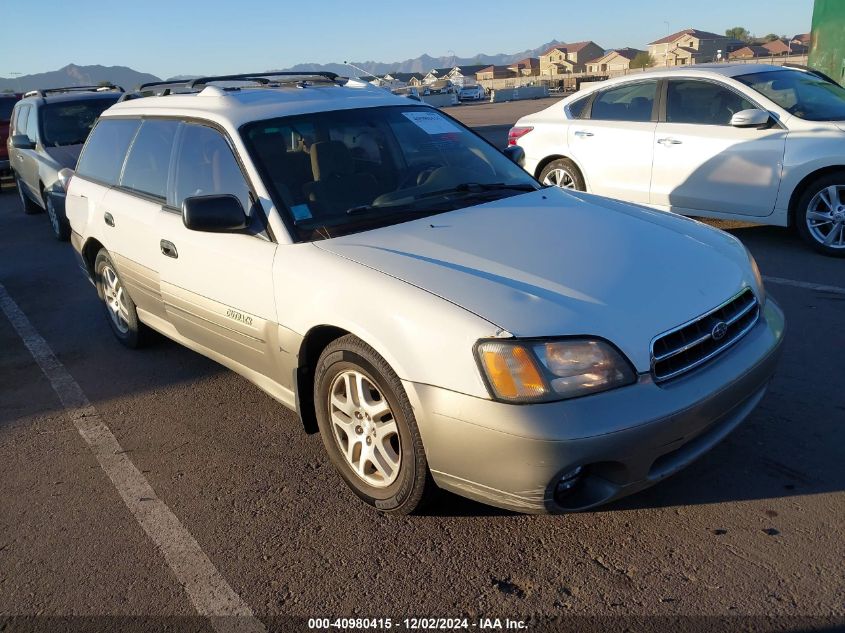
x=615, y=143
x=217, y=287
x=702, y=163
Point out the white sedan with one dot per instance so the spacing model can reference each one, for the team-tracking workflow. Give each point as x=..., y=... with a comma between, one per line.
x=732, y=141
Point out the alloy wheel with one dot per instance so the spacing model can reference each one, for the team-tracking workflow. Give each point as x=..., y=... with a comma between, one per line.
x=826, y=217
x=364, y=428
x=114, y=297
x=559, y=178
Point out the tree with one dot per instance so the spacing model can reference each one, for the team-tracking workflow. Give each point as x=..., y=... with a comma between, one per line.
x=739, y=33
x=771, y=37
x=642, y=60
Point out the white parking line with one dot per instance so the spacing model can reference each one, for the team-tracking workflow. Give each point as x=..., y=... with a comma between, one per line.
x=804, y=284
x=207, y=590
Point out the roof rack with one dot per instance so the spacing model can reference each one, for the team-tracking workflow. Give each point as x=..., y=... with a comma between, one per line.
x=45, y=91
x=262, y=78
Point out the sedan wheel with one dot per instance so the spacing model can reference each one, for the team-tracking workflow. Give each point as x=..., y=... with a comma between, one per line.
x=819, y=214
x=562, y=173
x=826, y=217
x=559, y=178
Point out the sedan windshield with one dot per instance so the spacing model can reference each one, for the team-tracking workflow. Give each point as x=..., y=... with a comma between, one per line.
x=68, y=123
x=800, y=93
x=345, y=171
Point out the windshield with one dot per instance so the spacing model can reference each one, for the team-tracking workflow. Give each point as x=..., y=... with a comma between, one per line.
x=69, y=122
x=345, y=171
x=800, y=93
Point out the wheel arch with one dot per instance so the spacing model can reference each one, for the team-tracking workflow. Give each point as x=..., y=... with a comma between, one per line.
x=89, y=252
x=804, y=183
x=312, y=345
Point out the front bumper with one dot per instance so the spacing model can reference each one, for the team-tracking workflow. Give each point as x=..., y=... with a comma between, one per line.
x=513, y=456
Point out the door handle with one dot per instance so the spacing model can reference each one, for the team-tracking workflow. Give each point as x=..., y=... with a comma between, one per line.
x=168, y=249
x=108, y=218
x=669, y=141
x=582, y=134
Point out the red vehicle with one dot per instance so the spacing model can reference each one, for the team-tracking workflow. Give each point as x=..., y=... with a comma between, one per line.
x=7, y=102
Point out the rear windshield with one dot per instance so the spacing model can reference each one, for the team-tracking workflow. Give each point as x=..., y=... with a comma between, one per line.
x=6, y=105
x=69, y=123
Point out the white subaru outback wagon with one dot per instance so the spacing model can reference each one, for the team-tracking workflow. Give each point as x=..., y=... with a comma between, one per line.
x=441, y=318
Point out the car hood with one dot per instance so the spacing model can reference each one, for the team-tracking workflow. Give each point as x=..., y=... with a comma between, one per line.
x=66, y=155
x=552, y=263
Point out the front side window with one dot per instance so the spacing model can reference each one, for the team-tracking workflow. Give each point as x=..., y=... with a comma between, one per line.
x=630, y=102
x=350, y=170
x=70, y=123
x=102, y=157
x=32, y=124
x=702, y=103
x=20, y=119
x=205, y=166
x=148, y=162
x=800, y=93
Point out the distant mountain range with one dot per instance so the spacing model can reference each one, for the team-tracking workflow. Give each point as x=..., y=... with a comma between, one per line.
x=74, y=75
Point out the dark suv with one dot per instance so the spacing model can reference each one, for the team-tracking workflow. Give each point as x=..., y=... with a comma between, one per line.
x=48, y=130
x=7, y=103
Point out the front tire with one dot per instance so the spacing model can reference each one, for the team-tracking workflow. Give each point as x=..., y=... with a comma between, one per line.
x=29, y=206
x=563, y=173
x=369, y=429
x=59, y=224
x=120, y=309
x=820, y=214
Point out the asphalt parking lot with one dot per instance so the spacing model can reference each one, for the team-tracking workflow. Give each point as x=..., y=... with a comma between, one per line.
x=748, y=537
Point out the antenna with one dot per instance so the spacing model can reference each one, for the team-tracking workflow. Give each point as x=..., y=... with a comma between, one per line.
x=358, y=68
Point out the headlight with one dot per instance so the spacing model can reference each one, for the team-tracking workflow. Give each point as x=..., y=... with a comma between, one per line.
x=758, y=279
x=545, y=370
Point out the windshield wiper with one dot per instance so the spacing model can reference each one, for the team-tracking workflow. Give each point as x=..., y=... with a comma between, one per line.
x=479, y=187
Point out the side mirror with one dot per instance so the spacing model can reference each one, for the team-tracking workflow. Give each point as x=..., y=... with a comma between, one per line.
x=213, y=214
x=22, y=141
x=751, y=118
x=516, y=154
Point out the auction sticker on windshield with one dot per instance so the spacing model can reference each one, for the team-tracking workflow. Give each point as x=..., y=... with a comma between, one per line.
x=431, y=122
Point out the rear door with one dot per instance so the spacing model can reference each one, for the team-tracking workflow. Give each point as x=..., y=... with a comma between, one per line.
x=217, y=287
x=614, y=143
x=702, y=163
x=26, y=161
x=131, y=212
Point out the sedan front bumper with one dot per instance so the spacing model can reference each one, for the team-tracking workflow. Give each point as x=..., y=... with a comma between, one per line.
x=514, y=456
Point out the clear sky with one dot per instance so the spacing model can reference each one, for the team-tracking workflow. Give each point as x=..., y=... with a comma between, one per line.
x=192, y=37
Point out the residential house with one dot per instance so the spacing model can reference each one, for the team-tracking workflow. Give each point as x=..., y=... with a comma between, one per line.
x=465, y=75
x=802, y=38
x=785, y=47
x=691, y=46
x=400, y=80
x=528, y=67
x=436, y=74
x=749, y=52
x=493, y=72
x=615, y=61
x=563, y=59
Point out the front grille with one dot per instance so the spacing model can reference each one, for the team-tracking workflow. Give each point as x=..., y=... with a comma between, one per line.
x=686, y=347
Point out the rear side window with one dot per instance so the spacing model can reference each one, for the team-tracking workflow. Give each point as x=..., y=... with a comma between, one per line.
x=702, y=103
x=148, y=162
x=103, y=155
x=577, y=108
x=631, y=102
x=206, y=166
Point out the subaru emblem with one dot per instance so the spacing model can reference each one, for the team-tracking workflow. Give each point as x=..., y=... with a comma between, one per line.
x=719, y=330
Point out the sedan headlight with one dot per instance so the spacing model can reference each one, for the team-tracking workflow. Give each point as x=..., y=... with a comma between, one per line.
x=532, y=370
x=758, y=279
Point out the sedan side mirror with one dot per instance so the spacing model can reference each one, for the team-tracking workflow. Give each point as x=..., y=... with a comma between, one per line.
x=213, y=214
x=22, y=141
x=516, y=154
x=751, y=118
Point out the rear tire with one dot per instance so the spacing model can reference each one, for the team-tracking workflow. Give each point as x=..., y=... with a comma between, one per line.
x=30, y=207
x=372, y=439
x=819, y=214
x=120, y=309
x=563, y=173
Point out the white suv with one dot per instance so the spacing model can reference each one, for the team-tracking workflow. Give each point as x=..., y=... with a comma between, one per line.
x=416, y=296
x=734, y=141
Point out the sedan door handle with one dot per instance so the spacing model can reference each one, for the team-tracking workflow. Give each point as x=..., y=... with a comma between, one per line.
x=582, y=134
x=669, y=141
x=108, y=218
x=168, y=249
